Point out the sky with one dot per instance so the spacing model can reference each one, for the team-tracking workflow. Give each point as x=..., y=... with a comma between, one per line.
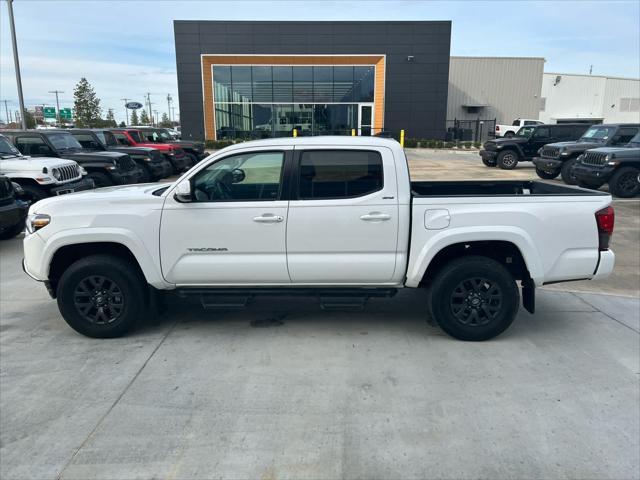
x=126, y=48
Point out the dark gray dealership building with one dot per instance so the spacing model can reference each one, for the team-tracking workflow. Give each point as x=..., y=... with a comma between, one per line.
x=264, y=79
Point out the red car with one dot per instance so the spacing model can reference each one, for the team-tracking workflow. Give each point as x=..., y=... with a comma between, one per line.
x=133, y=138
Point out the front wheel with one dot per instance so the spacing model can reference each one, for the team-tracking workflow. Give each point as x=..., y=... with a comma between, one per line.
x=507, y=160
x=567, y=172
x=625, y=182
x=546, y=176
x=101, y=296
x=474, y=298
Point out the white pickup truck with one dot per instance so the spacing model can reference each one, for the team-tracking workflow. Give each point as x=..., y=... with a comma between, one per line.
x=510, y=130
x=333, y=217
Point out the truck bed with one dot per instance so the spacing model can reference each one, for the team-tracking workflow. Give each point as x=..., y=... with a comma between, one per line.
x=496, y=188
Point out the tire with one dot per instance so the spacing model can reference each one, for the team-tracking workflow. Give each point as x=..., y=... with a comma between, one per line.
x=12, y=231
x=566, y=172
x=146, y=175
x=592, y=186
x=192, y=159
x=546, y=176
x=625, y=183
x=488, y=163
x=112, y=290
x=469, y=281
x=34, y=192
x=100, y=179
x=507, y=160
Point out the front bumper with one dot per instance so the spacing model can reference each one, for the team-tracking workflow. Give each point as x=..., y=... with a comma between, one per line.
x=179, y=164
x=12, y=214
x=77, y=186
x=160, y=169
x=591, y=174
x=548, y=165
x=126, y=177
x=488, y=155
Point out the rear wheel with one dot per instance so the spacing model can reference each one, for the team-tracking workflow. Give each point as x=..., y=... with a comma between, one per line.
x=567, y=172
x=474, y=298
x=101, y=296
x=507, y=160
x=545, y=175
x=100, y=179
x=625, y=182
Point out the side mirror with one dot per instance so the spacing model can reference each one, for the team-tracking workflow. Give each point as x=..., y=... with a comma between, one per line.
x=183, y=192
x=237, y=175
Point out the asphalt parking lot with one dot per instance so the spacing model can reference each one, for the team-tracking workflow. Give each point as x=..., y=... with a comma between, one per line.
x=285, y=390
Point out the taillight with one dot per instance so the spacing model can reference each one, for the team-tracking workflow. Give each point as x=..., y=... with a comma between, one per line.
x=497, y=128
x=605, y=219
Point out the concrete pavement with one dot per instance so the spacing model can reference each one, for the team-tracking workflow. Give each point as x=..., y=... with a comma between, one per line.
x=372, y=394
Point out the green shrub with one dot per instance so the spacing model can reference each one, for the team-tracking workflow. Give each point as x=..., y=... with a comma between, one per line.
x=410, y=142
x=217, y=144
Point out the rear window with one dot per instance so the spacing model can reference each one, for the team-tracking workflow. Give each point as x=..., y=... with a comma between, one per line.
x=334, y=174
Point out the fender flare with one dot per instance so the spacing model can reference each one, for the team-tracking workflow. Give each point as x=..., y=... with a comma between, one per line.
x=518, y=237
x=127, y=238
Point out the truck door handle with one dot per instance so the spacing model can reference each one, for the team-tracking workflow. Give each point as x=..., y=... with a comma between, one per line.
x=375, y=217
x=268, y=218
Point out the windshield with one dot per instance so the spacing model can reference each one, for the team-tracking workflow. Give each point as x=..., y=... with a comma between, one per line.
x=525, y=132
x=8, y=150
x=157, y=135
x=598, y=134
x=635, y=141
x=64, y=141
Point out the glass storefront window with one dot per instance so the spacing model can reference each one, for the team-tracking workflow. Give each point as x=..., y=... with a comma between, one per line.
x=240, y=84
x=283, y=84
x=322, y=84
x=342, y=84
x=262, y=84
x=303, y=84
x=363, y=85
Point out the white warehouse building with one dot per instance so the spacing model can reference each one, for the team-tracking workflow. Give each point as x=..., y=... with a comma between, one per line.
x=589, y=98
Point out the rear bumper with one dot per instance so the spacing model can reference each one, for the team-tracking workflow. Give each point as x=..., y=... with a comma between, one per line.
x=605, y=265
x=78, y=186
x=593, y=174
x=549, y=165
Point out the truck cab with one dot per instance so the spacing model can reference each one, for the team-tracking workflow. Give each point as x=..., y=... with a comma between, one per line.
x=559, y=158
x=510, y=130
x=195, y=150
x=132, y=137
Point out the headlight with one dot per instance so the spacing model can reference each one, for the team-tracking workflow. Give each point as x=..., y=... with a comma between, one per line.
x=37, y=221
x=610, y=159
x=81, y=170
x=56, y=174
x=147, y=159
x=44, y=179
x=565, y=153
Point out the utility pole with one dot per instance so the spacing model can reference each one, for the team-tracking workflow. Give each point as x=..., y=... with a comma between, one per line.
x=16, y=62
x=169, y=99
x=156, y=118
x=126, y=110
x=173, y=115
x=590, y=69
x=149, y=104
x=57, y=104
x=6, y=111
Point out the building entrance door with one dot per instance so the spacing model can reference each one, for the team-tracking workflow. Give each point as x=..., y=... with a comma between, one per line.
x=365, y=119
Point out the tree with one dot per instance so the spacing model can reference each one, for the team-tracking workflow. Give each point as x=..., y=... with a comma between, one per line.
x=134, y=118
x=28, y=117
x=86, y=105
x=122, y=124
x=165, y=122
x=111, y=119
x=144, y=118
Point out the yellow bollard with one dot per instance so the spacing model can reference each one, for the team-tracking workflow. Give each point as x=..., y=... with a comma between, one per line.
x=295, y=132
x=402, y=138
x=353, y=132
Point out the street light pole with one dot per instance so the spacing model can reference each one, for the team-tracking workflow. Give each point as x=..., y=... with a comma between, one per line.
x=126, y=110
x=169, y=106
x=6, y=111
x=57, y=104
x=16, y=63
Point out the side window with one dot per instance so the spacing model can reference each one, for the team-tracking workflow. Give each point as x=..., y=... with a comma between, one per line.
x=248, y=177
x=122, y=139
x=563, y=132
x=32, y=146
x=86, y=140
x=625, y=135
x=542, y=133
x=530, y=122
x=332, y=174
x=108, y=138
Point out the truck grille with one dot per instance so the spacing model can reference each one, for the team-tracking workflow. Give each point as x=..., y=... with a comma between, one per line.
x=597, y=159
x=550, y=152
x=68, y=172
x=179, y=152
x=125, y=163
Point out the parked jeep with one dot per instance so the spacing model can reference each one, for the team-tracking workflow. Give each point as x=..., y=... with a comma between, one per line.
x=13, y=209
x=194, y=150
x=559, y=158
x=132, y=137
x=41, y=177
x=620, y=167
x=151, y=162
x=104, y=168
x=507, y=152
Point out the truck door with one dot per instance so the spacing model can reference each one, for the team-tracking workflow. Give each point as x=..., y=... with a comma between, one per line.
x=343, y=216
x=540, y=137
x=233, y=230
